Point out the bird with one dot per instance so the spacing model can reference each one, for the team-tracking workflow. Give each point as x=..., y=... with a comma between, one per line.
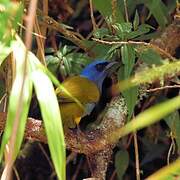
x=86, y=88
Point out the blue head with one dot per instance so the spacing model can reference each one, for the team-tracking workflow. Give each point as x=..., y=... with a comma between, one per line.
x=97, y=71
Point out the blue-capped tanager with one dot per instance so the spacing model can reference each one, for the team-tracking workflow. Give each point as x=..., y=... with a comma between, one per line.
x=86, y=88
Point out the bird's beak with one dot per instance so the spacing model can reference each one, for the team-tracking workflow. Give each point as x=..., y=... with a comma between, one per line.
x=112, y=67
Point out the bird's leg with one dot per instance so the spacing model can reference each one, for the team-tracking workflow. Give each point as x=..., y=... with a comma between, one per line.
x=77, y=120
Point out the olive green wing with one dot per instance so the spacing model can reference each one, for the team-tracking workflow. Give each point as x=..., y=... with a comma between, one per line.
x=80, y=88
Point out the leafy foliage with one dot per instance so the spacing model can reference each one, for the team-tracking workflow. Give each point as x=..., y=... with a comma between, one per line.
x=123, y=22
x=10, y=16
x=52, y=121
x=67, y=62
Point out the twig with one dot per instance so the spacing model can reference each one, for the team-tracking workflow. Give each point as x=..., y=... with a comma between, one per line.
x=3, y=97
x=170, y=149
x=92, y=142
x=40, y=43
x=136, y=156
x=98, y=25
x=41, y=30
x=126, y=11
x=92, y=16
x=77, y=169
x=33, y=33
x=114, y=7
x=162, y=51
x=16, y=173
x=70, y=157
x=52, y=24
x=113, y=175
x=129, y=141
x=5, y=104
x=46, y=156
x=162, y=88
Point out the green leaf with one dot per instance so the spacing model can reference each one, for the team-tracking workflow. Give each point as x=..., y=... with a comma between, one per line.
x=136, y=20
x=148, y=36
x=173, y=121
x=10, y=16
x=142, y=29
x=128, y=59
x=101, y=32
x=171, y=5
x=123, y=29
x=150, y=56
x=50, y=112
x=131, y=6
x=105, y=9
x=52, y=120
x=121, y=163
x=48, y=103
x=112, y=51
x=99, y=50
x=67, y=65
x=67, y=62
x=53, y=63
x=78, y=61
x=19, y=100
x=12, y=111
x=159, y=11
x=131, y=96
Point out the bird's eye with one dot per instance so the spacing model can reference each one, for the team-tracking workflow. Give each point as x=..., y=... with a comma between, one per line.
x=100, y=67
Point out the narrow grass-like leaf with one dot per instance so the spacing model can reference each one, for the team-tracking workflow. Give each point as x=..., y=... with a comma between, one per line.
x=170, y=172
x=52, y=120
x=150, y=75
x=49, y=107
x=19, y=54
x=12, y=108
x=149, y=116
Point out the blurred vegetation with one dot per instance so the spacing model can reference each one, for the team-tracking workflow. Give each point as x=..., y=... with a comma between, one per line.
x=67, y=36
